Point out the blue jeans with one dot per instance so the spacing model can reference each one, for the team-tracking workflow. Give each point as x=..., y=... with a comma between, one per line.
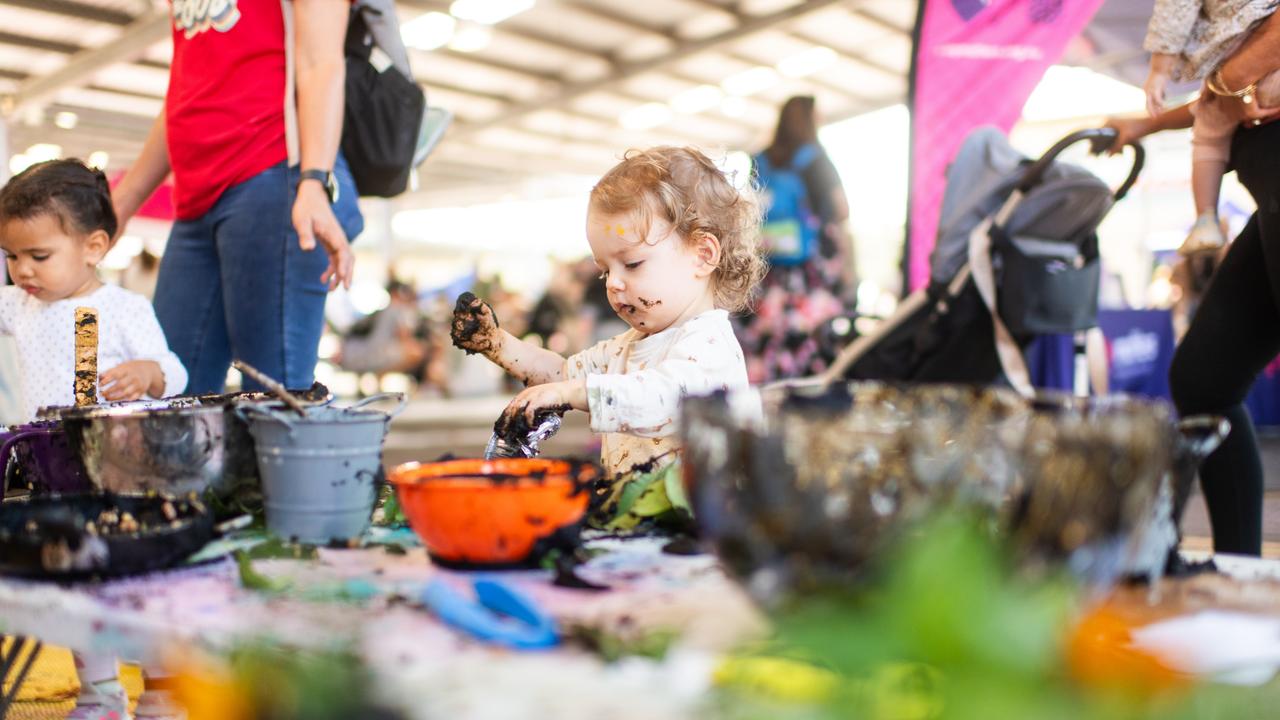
x=234, y=284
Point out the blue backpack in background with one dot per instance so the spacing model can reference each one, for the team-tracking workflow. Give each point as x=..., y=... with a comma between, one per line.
x=790, y=232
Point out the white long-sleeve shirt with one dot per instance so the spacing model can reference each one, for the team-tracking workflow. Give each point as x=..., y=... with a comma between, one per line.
x=45, y=338
x=635, y=382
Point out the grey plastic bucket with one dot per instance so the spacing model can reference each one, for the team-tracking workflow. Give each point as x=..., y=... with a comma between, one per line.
x=319, y=473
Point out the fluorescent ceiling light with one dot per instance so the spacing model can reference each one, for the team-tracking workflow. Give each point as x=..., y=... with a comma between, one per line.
x=99, y=159
x=807, y=63
x=733, y=107
x=66, y=120
x=471, y=37
x=750, y=82
x=428, y=31
x=645, y=116
x=696, y=100
x=488, y=12
x=43, y=151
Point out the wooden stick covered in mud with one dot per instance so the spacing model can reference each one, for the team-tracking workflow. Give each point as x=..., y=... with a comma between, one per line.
x=271, y=384
x=86, y=378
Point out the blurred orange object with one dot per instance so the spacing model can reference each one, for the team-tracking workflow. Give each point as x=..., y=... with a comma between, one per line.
x=209, y=691
x=1100, y=654
x=491, y=512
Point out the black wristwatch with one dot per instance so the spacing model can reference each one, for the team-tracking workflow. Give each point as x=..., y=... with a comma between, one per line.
x=325, y=178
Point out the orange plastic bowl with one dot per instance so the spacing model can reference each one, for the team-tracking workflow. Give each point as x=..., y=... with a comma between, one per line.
x=491, y=512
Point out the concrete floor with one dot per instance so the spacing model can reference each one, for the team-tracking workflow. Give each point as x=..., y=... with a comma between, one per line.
x=430, y=428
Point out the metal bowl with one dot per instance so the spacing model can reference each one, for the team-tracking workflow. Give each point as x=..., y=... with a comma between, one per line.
x=171, y=450
x=804, y=486
x=141, y=445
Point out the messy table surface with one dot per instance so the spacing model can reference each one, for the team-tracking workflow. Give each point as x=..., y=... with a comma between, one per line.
x=369, y=600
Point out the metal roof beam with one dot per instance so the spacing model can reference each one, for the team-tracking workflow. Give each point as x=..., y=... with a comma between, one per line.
x=132, y=44
x=683, y=49
x=80, y=11
x=531, y=35
x=711, y=5
x=881, y=22
x=26, y=41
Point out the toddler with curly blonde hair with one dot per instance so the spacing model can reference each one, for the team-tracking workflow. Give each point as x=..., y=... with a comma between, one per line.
x=678, y=247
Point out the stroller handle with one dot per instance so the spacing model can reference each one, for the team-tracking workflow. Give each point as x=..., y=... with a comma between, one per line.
x=1100, y=139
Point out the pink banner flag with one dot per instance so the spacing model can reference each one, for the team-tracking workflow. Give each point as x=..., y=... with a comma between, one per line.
x=976, y=62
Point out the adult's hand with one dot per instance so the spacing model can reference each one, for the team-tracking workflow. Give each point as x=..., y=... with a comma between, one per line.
x=1128, y=130
x=314, y=220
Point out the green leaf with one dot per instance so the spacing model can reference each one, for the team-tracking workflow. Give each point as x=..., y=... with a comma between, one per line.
x=673, y=480
x=254, y=580
x=632, y=488
x=653, y=502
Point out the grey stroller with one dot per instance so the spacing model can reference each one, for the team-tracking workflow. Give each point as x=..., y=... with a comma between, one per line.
x=1016, y=257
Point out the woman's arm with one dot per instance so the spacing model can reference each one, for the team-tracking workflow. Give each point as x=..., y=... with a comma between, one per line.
x=144, y=176
x=321, y=27
x=1256, y=58
x=1132, y=129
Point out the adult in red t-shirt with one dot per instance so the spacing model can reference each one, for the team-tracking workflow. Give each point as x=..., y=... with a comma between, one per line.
x=258, y=240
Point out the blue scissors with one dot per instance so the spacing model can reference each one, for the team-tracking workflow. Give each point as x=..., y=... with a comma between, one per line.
x=498, y=614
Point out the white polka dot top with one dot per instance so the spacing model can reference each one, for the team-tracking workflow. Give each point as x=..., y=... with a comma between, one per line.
x=45, y=338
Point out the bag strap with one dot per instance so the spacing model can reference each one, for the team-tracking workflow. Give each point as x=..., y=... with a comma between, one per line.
x=1010, y=355
x=383, y=26
x=804, y=157
x=290, y=89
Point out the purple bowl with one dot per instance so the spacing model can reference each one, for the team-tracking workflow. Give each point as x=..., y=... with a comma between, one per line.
x=38, y=456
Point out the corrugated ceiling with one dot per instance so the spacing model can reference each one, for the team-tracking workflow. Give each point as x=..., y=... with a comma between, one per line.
x=544, y=97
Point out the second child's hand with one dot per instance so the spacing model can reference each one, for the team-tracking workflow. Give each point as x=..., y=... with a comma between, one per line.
x=131, y=380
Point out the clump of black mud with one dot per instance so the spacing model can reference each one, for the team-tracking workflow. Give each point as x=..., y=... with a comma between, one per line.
x=475, y=326
x=513, y=428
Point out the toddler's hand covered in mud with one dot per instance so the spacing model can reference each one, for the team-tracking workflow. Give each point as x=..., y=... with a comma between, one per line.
x=535, y=402
x=475, y=326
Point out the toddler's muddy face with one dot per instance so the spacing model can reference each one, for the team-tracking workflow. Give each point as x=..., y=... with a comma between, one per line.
x=653, y=279
x=475, y=327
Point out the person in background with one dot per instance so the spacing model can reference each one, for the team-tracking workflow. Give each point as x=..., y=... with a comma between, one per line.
x=141, y=275
x=258, y=240
x=804, y=289
x=1235, y=332
x=557, y=318
x=391, y=340
x=678, y=248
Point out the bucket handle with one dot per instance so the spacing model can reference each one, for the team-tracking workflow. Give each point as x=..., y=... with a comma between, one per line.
x=1204, y=433
x=400, y=398
x=14, y=439
x=249, y=413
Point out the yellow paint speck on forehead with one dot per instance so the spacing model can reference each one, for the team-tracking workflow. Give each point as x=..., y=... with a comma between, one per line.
x=621, y=231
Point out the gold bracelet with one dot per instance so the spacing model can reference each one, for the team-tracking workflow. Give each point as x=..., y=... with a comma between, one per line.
x=1215, y=85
